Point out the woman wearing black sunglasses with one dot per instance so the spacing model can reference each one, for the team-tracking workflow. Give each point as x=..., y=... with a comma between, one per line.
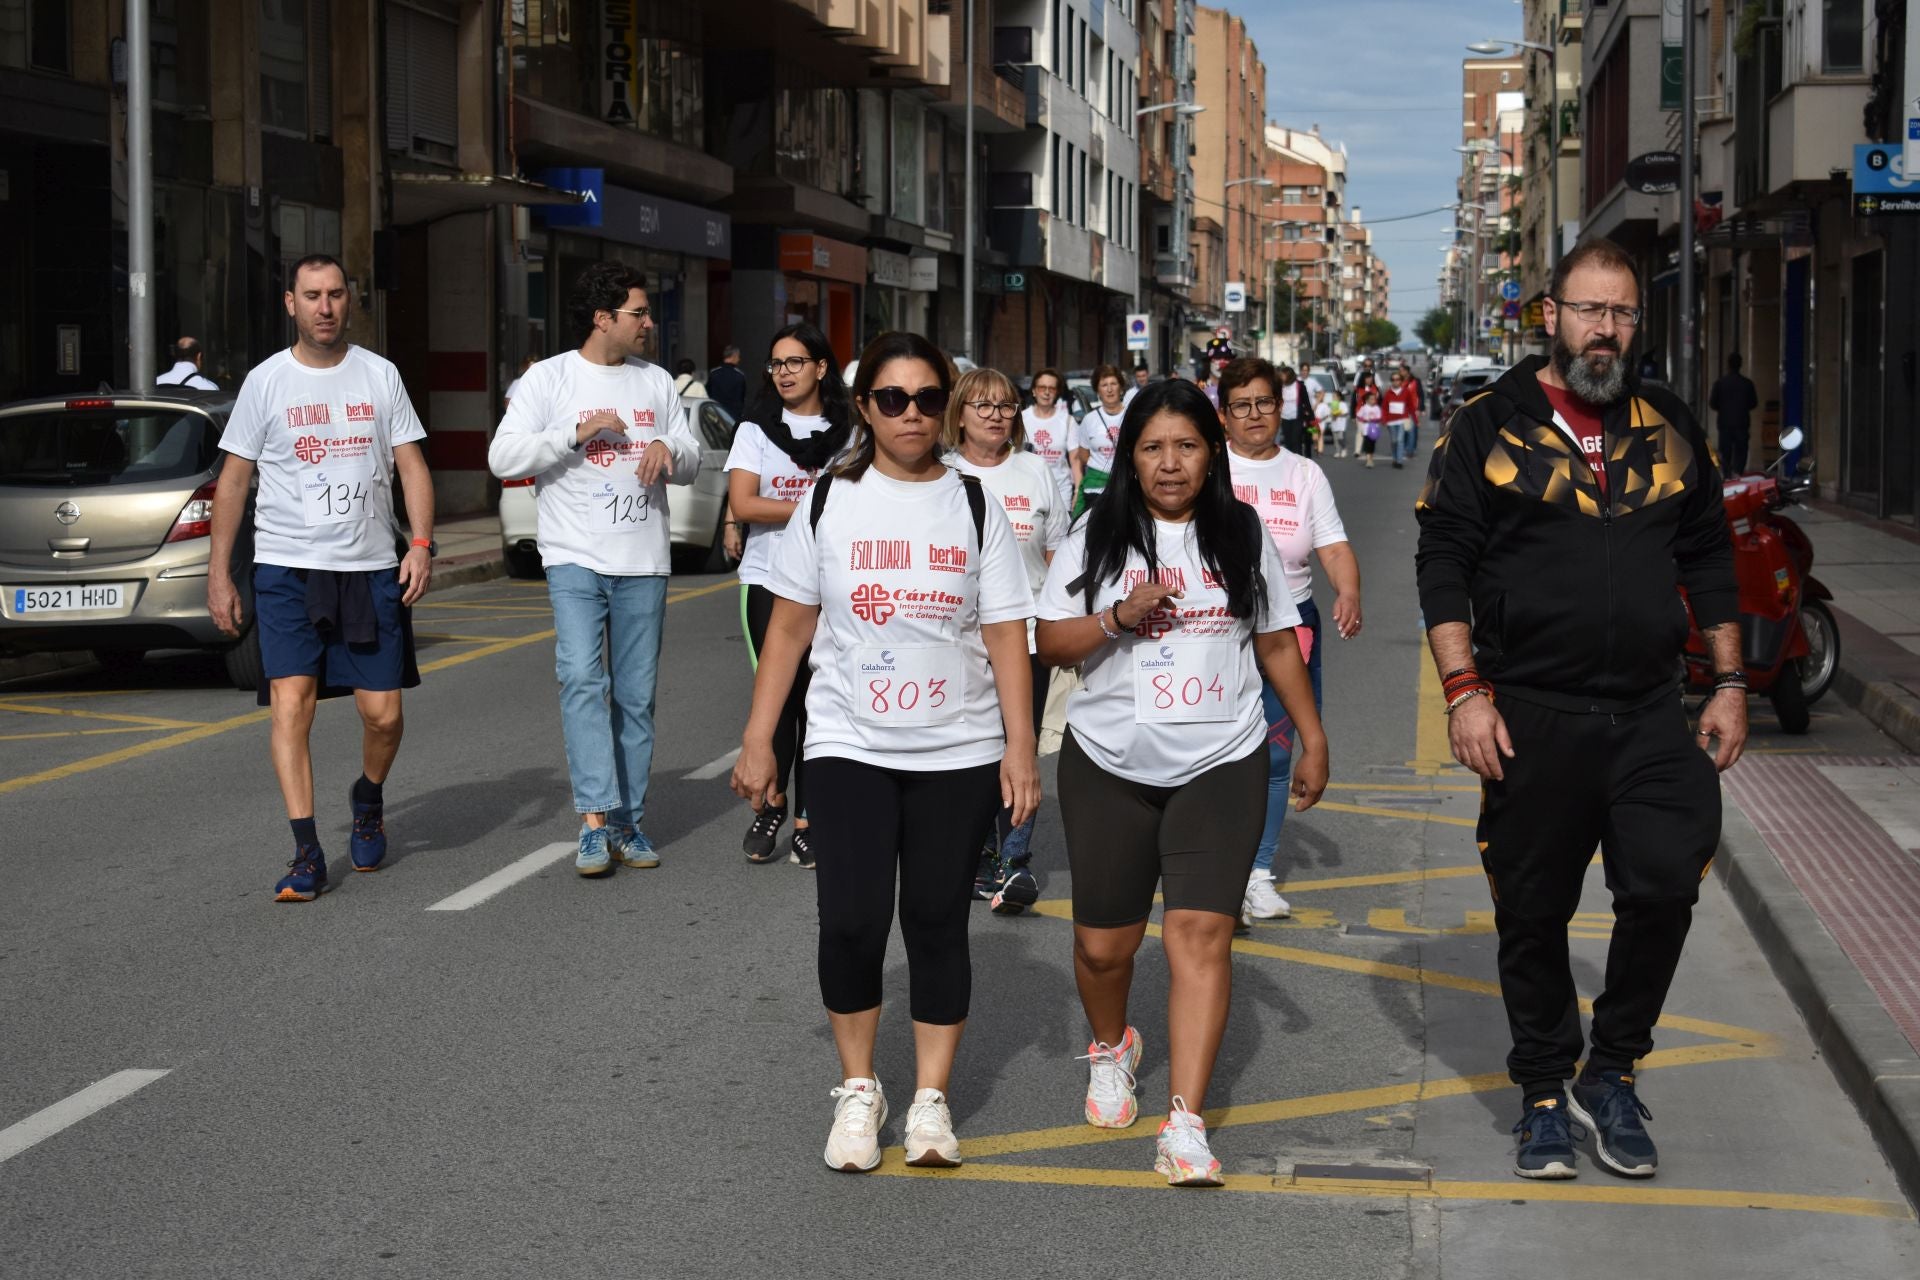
x=909, y=587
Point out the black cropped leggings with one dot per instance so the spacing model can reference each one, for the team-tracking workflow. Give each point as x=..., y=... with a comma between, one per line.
x=870, y=824
x=790, y=731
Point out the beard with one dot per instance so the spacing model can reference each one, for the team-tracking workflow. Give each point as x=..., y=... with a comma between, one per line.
x=1597, y=373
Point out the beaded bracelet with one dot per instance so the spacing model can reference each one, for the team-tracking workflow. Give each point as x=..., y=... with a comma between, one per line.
x=1478, y=691
x=1101, y=618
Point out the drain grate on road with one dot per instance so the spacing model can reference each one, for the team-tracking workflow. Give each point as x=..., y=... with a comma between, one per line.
x=1329, y=1175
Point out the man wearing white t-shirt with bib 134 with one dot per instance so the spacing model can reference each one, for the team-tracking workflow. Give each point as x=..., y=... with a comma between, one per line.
x=327, y=425
x=603, y=432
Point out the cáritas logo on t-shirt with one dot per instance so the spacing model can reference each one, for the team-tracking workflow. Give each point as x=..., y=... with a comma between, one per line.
x=872, y=603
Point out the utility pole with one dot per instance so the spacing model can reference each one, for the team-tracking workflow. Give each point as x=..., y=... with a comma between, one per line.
x=142, y=351
x=1687, y=376
x=966, y=253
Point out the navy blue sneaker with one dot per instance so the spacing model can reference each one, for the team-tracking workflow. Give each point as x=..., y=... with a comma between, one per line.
x=1609, y=1106
x=368, y=847
x=989, y=874
x=306, y=877
x=595, y=855
x=1018, y=890
x=1546, y=1141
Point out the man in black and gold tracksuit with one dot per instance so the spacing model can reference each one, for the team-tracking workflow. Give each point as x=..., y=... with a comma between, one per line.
x=1562, y=509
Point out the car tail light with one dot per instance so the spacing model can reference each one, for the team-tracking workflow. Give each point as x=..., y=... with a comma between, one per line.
x=196, y=518
x=89, y=404
x=517, y=484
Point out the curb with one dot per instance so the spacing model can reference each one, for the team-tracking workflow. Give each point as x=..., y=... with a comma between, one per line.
x=1875, y=1065
x=1893, y=710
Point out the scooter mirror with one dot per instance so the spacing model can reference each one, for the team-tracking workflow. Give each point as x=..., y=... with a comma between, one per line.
x=1791, y=439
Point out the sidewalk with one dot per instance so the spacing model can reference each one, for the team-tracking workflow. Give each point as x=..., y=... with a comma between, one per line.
x=469, y=551
x=1822, y=852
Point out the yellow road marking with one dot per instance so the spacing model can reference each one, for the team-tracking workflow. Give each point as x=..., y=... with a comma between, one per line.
x=76, y=733
x=1425, y=788
x=1431, y=754
x=500, y=610
x=1372, y=812
x=447, y=635
x=149, y=722
x=692, y=592
x=894, y=1165
x=214, y=728
x=1394, y=877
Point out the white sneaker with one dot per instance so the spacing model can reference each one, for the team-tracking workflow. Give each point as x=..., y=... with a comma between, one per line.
x=1110, y=1082
x=930, y=1140
x=1263, y=901
x=1182, y=1152
x=853, y=1144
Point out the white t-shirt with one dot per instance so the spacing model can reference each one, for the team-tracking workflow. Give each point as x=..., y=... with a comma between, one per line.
x=781, y=479
x=323, y=440
x=1290, y=400
x=185, y=374
x=1098, y=433
x=900, y=672
x=1035, y=509
x=1180, y=694
x=594, y=512
x=1052, y=439
x=1295, y=502
x=1127, y=399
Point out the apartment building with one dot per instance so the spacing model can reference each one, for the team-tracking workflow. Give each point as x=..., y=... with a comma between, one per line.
x=1229, y=158
x=1550, y=152
x=1306, y=284
x=1492, y=103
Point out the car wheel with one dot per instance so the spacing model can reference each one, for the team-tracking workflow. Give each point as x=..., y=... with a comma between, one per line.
x=244, y=666
x=118, y=659
x=522, y=564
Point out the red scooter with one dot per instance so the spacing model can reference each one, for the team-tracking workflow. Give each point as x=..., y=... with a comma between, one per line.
x=1789, y=643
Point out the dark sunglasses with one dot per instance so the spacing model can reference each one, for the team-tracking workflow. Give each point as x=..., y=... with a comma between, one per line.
x=892, y=401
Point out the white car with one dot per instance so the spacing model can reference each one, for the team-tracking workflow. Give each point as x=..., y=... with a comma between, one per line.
x=695, y=511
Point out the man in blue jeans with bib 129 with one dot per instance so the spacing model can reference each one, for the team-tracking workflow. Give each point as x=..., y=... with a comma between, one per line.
x=603, y=432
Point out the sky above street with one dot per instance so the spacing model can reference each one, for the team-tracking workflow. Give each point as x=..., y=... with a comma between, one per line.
x=1382, y=76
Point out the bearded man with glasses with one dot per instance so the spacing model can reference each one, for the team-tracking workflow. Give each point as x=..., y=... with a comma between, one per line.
x=1562, y=511
x=602, y=432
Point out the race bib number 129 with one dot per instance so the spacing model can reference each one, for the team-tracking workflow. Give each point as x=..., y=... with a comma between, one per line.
x=908, y=686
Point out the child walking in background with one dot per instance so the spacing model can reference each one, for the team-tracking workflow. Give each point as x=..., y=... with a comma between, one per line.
x=1369, y=416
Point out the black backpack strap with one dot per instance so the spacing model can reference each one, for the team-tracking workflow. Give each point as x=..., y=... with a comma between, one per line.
x=819, y=507
x=976, y=503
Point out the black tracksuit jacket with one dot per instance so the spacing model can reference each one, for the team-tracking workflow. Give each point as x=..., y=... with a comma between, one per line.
x=1571, y=591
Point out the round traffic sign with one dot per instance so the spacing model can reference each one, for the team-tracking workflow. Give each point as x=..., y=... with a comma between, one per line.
x=1224, y=331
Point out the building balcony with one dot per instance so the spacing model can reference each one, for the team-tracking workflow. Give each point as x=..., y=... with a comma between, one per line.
x=1810, y=127
x=1171, y=271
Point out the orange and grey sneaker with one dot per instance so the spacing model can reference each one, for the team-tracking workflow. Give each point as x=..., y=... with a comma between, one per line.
x=1183, y=1155
x=1110, y=1082
x=306, y=877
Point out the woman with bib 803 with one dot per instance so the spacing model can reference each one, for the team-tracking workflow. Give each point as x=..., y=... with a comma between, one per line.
x=909, y=587
x=1173, y=600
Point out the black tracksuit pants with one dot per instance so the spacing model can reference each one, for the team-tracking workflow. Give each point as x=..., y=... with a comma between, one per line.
x=1638, y=786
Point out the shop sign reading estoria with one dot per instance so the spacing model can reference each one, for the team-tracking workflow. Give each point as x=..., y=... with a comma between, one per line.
x=619, y=59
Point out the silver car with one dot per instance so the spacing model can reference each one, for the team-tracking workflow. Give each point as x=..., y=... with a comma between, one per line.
x=106, y=514
x=693, y=513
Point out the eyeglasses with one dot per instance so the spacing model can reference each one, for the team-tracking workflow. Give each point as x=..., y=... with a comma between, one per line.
x=1594, y=312
x=640, y=312
x=792, y=364
x=892, y=401
x=1244, y=408
x=994, y=408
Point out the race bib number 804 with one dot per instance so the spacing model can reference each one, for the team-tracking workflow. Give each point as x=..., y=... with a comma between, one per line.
x=909, y=686
x=1191, y=683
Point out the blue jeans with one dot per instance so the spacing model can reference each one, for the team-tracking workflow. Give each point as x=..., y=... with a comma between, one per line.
x=1401, y=436
x=1280, y=743
x=606, y=653
x=1410, y=441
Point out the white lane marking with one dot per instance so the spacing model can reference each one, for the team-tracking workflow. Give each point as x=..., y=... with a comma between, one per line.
x=713, y=768
x=43, y=1124
x=508, y=876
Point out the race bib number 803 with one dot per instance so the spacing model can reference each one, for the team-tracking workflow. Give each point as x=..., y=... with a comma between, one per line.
x=909, y=686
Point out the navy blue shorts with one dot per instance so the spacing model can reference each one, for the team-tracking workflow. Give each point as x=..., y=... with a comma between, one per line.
x=290, y=645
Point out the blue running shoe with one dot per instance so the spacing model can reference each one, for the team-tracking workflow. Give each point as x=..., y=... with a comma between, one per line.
x=631, y=846
x=1610, y=1107
x=368, y=847
x=595, y=857
x=1546, y=1141
x=306, y=877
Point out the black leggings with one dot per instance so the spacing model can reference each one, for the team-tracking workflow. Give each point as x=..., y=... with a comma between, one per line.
x=1042, y=675
x=868, y=821
x=790, y=731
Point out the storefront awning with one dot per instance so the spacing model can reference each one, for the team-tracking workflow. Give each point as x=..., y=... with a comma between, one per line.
x=428, y=197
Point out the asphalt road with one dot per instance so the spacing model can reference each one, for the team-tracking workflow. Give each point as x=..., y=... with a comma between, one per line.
x=629, y=1077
